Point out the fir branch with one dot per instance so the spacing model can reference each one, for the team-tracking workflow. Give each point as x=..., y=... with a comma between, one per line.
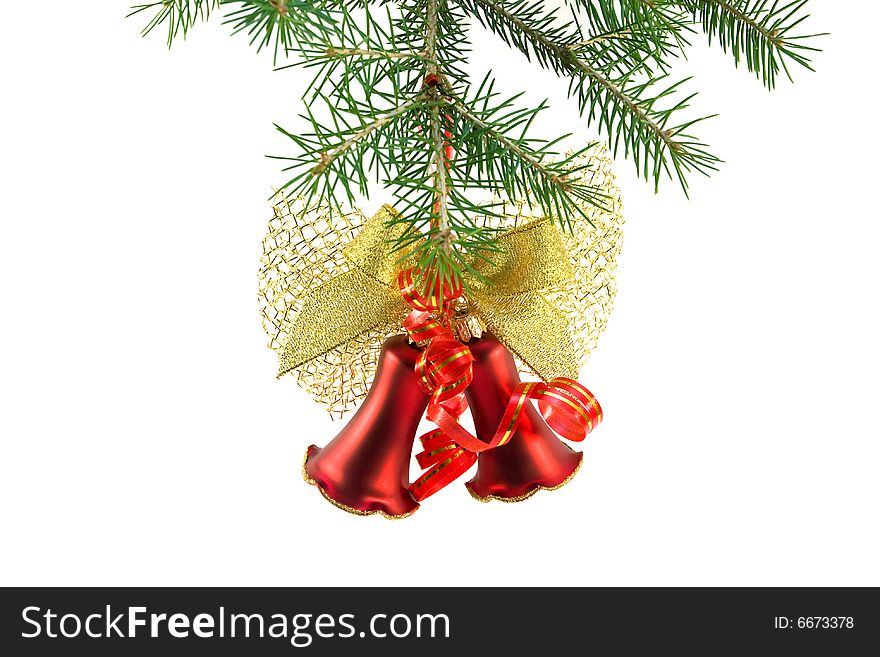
x=431, y=35
x=178, y=16
x=602, y=38
x=363, y=62
x=327, y=158
x=529, y=27
x=440, y=164
x=361, y=52
x=440, y=248
x=333, y=157
x=551, y=186
x=622, y=104
x=282, y=22
x=630, y=30
x=390, y=92
x=762, y=35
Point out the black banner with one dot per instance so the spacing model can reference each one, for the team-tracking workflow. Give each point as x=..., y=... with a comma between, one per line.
x=486, y=622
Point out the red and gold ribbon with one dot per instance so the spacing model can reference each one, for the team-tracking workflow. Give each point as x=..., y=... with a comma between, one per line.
x=445, y=369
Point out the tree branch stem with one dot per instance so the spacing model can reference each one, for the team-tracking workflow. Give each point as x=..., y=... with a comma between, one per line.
x=328, y=157
x=568, y=59
x=358, y=52
x=523, y=155
x=772, y=37
x=438, y=137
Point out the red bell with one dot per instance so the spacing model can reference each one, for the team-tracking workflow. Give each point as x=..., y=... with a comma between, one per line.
x=365, y=469
x=535, y=458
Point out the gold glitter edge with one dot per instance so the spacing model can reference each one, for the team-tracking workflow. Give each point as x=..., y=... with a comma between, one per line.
x=345, y=507
x=522, y=498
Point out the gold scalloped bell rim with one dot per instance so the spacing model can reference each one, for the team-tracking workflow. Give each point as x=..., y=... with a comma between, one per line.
x=345, y=507
x=531, y=493
x=384, y=514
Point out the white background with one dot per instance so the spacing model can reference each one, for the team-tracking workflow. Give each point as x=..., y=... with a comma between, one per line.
x=145, y=440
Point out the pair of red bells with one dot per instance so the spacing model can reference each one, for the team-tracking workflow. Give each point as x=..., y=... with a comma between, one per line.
x=365, y=469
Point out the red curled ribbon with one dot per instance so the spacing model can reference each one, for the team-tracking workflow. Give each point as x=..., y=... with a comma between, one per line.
x=445, y=369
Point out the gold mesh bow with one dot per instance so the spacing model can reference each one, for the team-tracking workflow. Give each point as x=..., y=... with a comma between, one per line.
x=328, y=298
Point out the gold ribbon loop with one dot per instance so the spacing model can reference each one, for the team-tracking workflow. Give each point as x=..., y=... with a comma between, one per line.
x=530, y=257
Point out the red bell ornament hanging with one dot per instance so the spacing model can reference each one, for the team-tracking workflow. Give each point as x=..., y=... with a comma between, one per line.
x=534, y=458
x=365, y=468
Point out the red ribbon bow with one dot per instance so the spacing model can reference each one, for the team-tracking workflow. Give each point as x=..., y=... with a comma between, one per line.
x=445, y=369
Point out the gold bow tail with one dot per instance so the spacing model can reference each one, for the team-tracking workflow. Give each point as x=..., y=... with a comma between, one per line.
x=329, y=299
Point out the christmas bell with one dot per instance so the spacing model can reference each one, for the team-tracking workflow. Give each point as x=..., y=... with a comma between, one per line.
x=365, y=469
x=534, y=459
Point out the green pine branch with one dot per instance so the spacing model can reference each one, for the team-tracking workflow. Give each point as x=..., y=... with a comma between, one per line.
x=390, y=93
x=762, y=33
x=176, y=16
x=637, y=110
x=277, y=23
